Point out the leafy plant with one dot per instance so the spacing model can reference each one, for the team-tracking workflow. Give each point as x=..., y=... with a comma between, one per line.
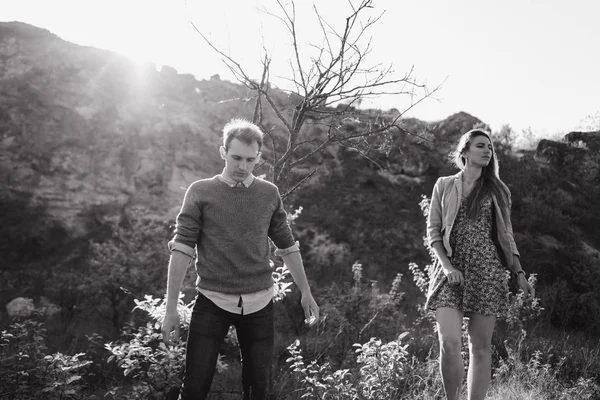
x=28, y=372
x=127, y=263
x=382, y=370
x=318, y=381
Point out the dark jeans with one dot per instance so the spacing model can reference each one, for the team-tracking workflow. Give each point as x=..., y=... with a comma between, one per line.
x=208, y=327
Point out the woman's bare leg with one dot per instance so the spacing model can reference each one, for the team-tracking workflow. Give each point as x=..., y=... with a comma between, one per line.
x=481, y=328
x=449, y=324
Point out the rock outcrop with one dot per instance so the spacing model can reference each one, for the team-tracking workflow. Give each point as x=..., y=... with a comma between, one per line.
x=578, y=154
x=83, y=127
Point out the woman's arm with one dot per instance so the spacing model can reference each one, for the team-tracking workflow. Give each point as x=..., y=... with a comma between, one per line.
x=440, y=253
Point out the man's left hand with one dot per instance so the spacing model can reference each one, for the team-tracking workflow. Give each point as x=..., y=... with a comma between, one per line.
x=311, y=309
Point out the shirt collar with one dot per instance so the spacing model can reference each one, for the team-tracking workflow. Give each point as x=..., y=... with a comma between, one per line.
x=224, y=177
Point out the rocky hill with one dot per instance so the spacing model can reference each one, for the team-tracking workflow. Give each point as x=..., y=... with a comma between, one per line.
x=85, y=132
x=82, y=127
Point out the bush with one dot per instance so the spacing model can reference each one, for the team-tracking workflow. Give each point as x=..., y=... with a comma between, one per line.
x=29, y=373
x=128, y=262
x=382, y=367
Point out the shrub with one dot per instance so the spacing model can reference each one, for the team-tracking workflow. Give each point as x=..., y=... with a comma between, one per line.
x=127, y=263
x=28, y=372
x=382, y=367
x=317, y=381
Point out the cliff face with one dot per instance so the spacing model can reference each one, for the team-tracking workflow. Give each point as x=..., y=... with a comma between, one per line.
x=82, y=127
x=578, y=154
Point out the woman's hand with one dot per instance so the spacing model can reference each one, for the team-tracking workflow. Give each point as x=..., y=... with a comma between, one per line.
x=525, y=286
x=454, y=276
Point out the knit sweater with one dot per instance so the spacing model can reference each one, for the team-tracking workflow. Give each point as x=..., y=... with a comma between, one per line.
x=230, y=229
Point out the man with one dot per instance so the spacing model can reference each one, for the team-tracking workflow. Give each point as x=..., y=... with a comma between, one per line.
x=227, y=221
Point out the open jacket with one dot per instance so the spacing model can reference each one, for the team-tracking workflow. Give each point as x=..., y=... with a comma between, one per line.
x=445, y=202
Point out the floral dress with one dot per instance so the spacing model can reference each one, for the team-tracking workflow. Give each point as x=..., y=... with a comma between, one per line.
x=485, y=288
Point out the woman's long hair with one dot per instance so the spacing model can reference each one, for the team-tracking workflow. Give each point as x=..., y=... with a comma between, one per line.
x=488, y=183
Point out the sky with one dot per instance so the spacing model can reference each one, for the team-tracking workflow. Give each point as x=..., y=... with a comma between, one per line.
x=527, y=63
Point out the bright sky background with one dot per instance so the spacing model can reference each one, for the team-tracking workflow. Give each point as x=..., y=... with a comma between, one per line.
x=527, y=63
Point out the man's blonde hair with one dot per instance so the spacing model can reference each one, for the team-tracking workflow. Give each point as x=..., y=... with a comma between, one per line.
x=243, y=130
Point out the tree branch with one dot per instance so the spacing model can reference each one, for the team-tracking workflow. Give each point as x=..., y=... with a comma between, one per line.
x=306, y=157
x=297, y=185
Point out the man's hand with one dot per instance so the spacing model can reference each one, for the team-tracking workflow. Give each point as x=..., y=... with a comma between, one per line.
x=293, y=261
x=170, y=324
x=311, y=309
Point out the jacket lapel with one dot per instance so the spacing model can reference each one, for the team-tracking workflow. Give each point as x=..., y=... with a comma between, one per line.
x=458, y=190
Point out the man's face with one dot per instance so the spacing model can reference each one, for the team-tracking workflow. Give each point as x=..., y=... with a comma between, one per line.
x=240, y=159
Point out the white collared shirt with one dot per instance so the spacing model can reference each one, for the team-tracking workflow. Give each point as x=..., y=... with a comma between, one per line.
x=225, y=177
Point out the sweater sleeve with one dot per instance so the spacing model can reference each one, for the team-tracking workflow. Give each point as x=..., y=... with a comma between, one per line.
x=279, y=229
x=188, y=223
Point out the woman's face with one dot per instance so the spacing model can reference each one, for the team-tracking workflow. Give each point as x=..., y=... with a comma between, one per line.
x=479, y=153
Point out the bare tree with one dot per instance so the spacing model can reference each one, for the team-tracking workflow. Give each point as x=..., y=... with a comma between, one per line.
x=326, y=91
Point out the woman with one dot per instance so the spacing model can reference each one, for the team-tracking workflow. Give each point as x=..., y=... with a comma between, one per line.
x=470, y=231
